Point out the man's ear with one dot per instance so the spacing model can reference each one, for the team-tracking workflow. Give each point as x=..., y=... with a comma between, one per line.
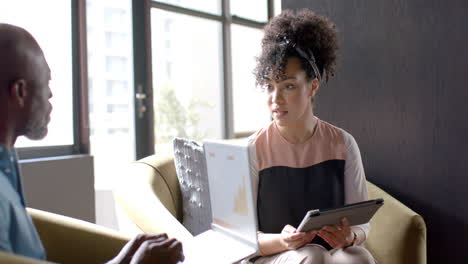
x=19, y=92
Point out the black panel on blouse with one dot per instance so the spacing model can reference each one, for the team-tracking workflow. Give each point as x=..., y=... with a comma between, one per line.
x=286, y=194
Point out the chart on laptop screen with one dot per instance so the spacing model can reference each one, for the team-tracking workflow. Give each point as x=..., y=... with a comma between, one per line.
x=230, y=187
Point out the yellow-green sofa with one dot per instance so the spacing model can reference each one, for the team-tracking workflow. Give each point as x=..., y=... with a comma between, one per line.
x=150, y=195
x=70, y=241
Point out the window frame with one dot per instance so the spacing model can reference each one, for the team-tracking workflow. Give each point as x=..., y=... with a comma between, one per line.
x=79, y=94
x=144, y=124
x=226, y=19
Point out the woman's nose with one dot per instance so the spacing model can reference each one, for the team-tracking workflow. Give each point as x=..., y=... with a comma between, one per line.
x=277, y=96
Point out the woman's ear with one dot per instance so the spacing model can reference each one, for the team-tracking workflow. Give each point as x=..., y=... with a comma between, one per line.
x=18, y=92
x=315, y=84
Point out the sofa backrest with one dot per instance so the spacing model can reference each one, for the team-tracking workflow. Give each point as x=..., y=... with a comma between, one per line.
x=398, y=234
x=148, y=193
x=164, y=182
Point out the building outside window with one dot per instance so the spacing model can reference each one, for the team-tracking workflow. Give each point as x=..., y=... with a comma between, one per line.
x=110, y=72
x=54, y=35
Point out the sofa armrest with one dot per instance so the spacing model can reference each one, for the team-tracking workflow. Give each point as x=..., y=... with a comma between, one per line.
x=69, y=240
x=9, y=258
x=149, y=214
x=398, y=234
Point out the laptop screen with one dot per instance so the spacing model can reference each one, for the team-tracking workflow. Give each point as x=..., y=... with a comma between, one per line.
x=230, y=185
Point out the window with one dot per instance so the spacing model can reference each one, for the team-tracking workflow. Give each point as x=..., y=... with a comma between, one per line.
x=114, y=16
x=187, y=80
x=250, y=111
x=54, y=35
x=109, y=27
x=120, y=130
x=248, y=9
x=118, y=108
x=117, y=88
x=203, y=59
x=208, y=6
x=116, y=64
x=116, y=41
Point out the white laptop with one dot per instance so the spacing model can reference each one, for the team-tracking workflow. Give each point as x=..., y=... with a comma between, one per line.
x=233, y=233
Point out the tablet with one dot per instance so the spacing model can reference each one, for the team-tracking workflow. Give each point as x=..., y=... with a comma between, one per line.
x=357, y=214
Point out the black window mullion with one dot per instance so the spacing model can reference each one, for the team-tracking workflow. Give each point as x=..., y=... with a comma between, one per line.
x=142, y=77
x=247, y=22
x=80, y=79
x=271, y=8
x=227, y=72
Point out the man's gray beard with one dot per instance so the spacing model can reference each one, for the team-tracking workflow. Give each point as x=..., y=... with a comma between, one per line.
x=35, y=132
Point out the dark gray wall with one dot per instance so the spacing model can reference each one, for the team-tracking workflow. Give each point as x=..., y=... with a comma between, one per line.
x=402, y=90
x=62, y=185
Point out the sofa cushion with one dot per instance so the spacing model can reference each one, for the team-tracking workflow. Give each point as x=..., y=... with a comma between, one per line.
x=191, y=170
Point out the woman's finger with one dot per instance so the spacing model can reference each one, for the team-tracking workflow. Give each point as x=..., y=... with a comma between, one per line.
x=289, y=229
x=331, y=229
x=330, y=234
x=338, y=233
x=297, y=243
x=294, y=236
x=335, y=239
x=344, y=222
x=328, y=238
x=307, y=238
x=310, y=235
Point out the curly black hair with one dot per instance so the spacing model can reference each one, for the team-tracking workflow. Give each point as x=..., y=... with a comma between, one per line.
x=297, y=33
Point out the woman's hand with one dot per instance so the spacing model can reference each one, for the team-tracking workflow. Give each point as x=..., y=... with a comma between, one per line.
x=291, y=239
x=338, y=236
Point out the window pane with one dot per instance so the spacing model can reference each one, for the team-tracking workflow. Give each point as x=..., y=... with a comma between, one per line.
x=250, y=110
x=277, y=7
x=116, y=64
x=116, y=41
x=187, y=70
x=53, y=33
x=254, y=10
x=208, y=6
x=110, y=87
x=114, y=17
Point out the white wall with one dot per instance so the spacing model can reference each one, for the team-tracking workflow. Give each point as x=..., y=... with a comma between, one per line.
x=63, y=185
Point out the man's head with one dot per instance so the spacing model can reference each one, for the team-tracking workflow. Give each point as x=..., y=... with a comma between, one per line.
x=24, y=86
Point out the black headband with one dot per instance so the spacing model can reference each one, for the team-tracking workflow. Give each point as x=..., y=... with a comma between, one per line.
x=308, y=56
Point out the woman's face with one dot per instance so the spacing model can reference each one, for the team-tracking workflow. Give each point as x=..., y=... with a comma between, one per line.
x=290, y=99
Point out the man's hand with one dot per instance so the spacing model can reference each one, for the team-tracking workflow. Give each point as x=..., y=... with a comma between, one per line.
x=337, y=236
x=291, y=239
x=150, y=249
x=158, y=251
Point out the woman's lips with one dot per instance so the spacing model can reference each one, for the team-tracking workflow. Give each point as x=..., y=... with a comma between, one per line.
x=279, y=113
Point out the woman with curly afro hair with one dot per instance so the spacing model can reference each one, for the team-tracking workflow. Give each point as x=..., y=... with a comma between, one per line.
x=302, y=162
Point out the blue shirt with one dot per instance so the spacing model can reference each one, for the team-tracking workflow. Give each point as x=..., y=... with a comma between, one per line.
x=17, y=232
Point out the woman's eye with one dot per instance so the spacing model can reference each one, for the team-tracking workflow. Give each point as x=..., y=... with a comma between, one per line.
x=267, y=87
x=289, y=86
